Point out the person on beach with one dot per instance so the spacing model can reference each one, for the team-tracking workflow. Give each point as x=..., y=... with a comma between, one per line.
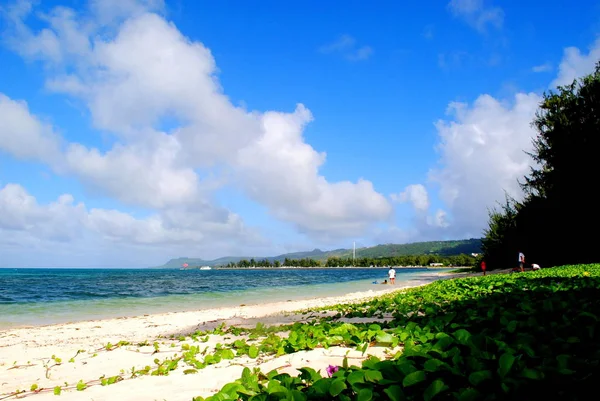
x=483, y=267
x=392, y=275
x=384, y=282
x=521, y=261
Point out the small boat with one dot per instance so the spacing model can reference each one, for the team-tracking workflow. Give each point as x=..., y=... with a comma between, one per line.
x=205, y=268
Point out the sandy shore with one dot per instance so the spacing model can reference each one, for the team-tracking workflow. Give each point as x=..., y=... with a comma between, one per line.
x=26, y=353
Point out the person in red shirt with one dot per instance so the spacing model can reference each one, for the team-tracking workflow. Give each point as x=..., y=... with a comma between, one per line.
x=483, y=267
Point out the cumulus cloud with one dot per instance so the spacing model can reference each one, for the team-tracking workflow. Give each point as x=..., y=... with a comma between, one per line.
x=416, y=194
x=57, y=221
x=346, y=46
x=25, y=136
x=576, y=64
x=132, y=69
x=65, y=220
x=144, y=173
x=482, y=154
x=477, y=14
x=281, y=171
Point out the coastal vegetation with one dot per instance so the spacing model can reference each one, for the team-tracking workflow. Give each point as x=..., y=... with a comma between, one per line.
x=522, y=336
x=507, y=336
x=551, y=224
x=408, y=260
x=440, y=248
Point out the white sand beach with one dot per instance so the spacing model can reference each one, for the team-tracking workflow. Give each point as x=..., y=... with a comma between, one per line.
x=26, y=353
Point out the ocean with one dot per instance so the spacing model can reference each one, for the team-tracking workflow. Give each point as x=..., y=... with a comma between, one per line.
x=33, y=297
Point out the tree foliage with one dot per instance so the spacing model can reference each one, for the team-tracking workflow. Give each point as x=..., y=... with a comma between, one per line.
x=554, y=223
x=407, y=260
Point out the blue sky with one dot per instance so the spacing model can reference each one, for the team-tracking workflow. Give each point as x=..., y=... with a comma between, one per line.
x=209, y=128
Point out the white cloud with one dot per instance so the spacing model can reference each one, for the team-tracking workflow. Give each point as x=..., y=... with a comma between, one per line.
x=63, y=220
x=24, y=136
x=347, y=47
x=143, y=70
x=575, y=64
x=58, y=221
x=546, y=67
x=477, y=14
x=482, y=154
x=439, y=219
x=144, y=173
x=281, y=171
x=416, y=194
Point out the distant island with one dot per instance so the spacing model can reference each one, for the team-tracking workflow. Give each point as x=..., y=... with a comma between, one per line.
x=440, y=248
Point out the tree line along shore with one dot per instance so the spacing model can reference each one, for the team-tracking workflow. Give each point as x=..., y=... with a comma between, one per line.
x=396, y=261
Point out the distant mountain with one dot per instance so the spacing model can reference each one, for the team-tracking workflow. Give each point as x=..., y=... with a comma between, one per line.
x=443, y=248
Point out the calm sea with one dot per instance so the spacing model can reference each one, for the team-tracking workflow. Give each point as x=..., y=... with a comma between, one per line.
x=47, y=296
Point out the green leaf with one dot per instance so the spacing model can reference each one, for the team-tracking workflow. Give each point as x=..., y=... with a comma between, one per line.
x=253, y=351
x=532, y=374
x=406, y=368
x=469, y=394
x=462, y=336
x=358, y=376
x=395, y=393
x=370, y=362
x=246, y=376
x=505, y=364
x=413, y=378
x=57, y=390
x=337, y=386
x=476, y=378
x=365, y=394
x=309, y=374
x=436, y=387
x=274, y=387
x=443, y=343
x=384, y=338
x=295, y=395
x=512, y=326
x=233, y=389
x=373, y=376
x=433, y=365
x=227, y=354
x=190, y=371
x=322, y=386
x=563, y=360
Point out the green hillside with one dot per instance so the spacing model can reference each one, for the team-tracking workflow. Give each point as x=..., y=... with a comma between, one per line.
x=443, y=248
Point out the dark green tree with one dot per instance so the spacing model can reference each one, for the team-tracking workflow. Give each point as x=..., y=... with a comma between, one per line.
x=555, y=223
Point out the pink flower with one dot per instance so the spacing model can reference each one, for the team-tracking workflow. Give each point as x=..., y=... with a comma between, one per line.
x=332, y=369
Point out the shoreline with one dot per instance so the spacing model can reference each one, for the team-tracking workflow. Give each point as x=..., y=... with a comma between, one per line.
x=28, y=351
x=76, y=310
x=314, y=267
x=250, y=310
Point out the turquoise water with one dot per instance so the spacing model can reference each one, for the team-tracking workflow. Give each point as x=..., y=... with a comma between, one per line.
x=48, y=296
